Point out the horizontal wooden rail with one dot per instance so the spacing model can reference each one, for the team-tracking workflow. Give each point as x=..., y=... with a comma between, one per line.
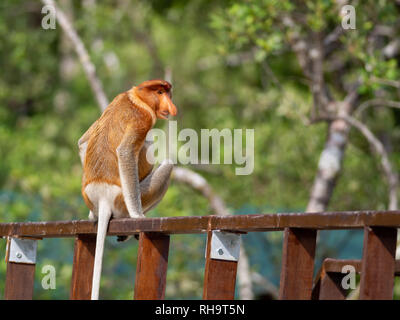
x=336, y=265
x=377, y=267
x=200, y=224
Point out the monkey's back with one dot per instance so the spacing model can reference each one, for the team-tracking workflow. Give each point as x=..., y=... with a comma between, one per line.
x=101, y=161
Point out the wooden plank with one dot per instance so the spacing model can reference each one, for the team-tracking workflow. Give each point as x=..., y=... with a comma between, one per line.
x=328, y=282
x=152, y=263
x=336, y=265
x=219, y=276
x=297, y=264
x=378, y=263
x=331, y=287
x=199, y=224
x=19, y=279
x=83, y=264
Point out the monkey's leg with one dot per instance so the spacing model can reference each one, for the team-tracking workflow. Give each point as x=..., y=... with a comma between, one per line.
x=82, y=151
x=91, y=216
x=153, y=188
x=155, y=185
x=83, y=142
x=128, y=154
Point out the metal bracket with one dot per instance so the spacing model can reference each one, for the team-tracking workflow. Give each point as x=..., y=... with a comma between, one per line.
x=225, y=246
x=22, y=250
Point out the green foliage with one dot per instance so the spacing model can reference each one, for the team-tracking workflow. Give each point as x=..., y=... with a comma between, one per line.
x=271, y=26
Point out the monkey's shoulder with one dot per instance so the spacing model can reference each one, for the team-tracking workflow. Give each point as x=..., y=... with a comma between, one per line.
x=124, y=111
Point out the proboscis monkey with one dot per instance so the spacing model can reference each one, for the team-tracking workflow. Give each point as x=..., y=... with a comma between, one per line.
x=118, y=180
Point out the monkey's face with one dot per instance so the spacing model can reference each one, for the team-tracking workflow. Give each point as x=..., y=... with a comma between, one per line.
x=157, y=95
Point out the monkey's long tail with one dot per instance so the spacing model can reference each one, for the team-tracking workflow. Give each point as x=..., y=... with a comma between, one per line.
x=103, y=219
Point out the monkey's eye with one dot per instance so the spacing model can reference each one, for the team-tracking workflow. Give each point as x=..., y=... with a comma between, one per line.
x=159, y=92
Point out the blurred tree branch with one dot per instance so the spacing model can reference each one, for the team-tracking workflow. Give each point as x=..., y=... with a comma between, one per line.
x=392, y=83
x=377, y=103
x=84, y=58
x=200, y=184
x=377, y=146
x=330, y=163
x=315, y=51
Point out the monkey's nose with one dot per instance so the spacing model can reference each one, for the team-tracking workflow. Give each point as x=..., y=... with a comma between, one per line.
x=173, y=111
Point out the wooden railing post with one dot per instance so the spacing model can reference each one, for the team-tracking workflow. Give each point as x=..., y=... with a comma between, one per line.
x=378, y=263
x=21, y=262
x=332, y=280
x=297, y=264
x=220, y=275
x=82, y=272
x=152, y=263
x=329, y=287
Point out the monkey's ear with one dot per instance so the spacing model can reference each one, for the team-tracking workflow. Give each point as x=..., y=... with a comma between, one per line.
x=155, y=84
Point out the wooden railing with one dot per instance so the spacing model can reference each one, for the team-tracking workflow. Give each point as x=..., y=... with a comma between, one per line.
x=377, y=267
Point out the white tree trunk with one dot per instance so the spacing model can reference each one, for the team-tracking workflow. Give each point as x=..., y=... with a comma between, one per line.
x=329, y=166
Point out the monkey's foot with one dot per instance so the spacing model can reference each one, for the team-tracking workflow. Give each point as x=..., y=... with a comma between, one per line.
x=122, y=238
x=125, y=238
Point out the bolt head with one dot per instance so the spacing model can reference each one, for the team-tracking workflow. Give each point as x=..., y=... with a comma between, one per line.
x=19, y=255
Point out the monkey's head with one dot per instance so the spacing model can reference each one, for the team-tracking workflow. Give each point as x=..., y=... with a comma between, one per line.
x=157, y=95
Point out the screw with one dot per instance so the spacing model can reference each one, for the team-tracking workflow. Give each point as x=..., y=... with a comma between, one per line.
x=220, y=252
x=19, y=255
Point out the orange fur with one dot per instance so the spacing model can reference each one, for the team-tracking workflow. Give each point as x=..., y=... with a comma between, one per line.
x=137, y=109
x=113, y=154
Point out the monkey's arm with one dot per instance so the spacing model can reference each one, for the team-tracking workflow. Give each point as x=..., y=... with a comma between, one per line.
x=128, y=155
x=153, y=188
x=155, y=185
